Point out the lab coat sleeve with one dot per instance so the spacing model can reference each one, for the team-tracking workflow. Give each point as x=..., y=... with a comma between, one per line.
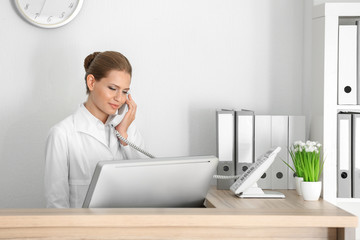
x=135, y=137
x=56, y=170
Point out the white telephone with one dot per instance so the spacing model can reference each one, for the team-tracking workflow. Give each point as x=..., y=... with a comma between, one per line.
x=246, y=186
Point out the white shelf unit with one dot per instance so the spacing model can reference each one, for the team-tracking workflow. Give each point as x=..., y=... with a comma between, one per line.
x=324, y=107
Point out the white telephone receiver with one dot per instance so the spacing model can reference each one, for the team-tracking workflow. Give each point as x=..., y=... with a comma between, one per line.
x=122, y=109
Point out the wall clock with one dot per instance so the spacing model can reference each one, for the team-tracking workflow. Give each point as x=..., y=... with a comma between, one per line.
x=49, y=13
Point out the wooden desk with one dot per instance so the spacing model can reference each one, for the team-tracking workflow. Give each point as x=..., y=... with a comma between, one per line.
x=227, y=218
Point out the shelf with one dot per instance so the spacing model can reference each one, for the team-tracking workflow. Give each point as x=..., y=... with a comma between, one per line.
x=348, y=200
x=323, y=102
x=336, y=9
x=348, y=107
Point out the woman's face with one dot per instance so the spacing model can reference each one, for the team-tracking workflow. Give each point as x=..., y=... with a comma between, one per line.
x=109, y=93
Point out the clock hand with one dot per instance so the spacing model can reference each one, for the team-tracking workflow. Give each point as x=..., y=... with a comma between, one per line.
x=42, y=7
x=38, y=13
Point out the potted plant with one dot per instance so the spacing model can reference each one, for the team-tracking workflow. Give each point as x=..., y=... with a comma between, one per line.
x=295, y=152
x=312, y=165
x=308, y=163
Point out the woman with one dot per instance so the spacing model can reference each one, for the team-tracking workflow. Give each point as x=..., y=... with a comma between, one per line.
x=76, y=144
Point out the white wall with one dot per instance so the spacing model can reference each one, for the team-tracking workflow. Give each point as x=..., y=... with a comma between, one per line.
x=189, y=58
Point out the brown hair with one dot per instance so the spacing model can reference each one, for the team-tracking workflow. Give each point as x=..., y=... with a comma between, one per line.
x=100, y=64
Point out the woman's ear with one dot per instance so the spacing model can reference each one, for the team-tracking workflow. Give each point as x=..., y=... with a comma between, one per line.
x=90, y=81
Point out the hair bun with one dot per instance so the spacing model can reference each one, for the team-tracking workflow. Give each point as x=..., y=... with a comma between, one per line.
x=88, y=60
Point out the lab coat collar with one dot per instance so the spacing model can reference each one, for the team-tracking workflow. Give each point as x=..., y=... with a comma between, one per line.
x=87, y=123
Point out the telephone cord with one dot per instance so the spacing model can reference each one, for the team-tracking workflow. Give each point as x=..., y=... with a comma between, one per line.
x=132, y=144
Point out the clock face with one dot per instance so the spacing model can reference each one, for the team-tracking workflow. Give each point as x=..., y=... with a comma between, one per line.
x=49, y=13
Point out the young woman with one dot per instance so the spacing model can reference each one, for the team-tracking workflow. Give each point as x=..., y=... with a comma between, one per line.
x=76, y=144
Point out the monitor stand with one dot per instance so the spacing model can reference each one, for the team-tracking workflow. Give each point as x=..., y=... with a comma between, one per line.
x=255, y=192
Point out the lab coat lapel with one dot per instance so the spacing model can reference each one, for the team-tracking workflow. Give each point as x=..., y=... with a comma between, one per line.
x=86, y=123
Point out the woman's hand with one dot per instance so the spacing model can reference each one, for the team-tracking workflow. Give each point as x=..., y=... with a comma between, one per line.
x=128, y=118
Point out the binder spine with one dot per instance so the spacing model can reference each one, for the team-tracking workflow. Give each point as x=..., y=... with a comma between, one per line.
x=262, y=144
x=344, y=156
x=347, y=65
x=358, y=61
x=356, y=156
x=296, y=133
x=279, y=138
x=225, y=145
x=244, y=140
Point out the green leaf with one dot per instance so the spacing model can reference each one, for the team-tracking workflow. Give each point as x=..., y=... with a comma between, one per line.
x=289, y=166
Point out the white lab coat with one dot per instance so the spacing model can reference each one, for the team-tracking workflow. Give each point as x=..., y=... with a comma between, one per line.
x=74, y=147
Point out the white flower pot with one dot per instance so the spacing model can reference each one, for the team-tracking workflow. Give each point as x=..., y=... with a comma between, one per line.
x=298, y=181
x=311, y=190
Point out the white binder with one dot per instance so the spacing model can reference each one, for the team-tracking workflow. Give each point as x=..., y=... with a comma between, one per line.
x=344, y=156
x=358, y=61
x=296, y=133
x=244, y=140
x=263, y=144
x=225, y=146
x=347, y=65
x=279, y=138
x=356, y=156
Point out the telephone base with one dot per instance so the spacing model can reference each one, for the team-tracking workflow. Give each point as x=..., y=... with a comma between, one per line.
x=256, y=192
x=265, y=194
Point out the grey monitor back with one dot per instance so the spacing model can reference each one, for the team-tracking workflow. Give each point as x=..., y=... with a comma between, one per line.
x=158, y=182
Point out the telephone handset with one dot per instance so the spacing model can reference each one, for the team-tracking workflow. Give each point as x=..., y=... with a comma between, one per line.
x=122, y=109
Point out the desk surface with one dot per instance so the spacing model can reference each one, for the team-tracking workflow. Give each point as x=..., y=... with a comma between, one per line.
x=291, y=211
x=226, y=214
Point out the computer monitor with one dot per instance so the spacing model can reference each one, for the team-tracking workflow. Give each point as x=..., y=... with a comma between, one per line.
x=157, y=182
